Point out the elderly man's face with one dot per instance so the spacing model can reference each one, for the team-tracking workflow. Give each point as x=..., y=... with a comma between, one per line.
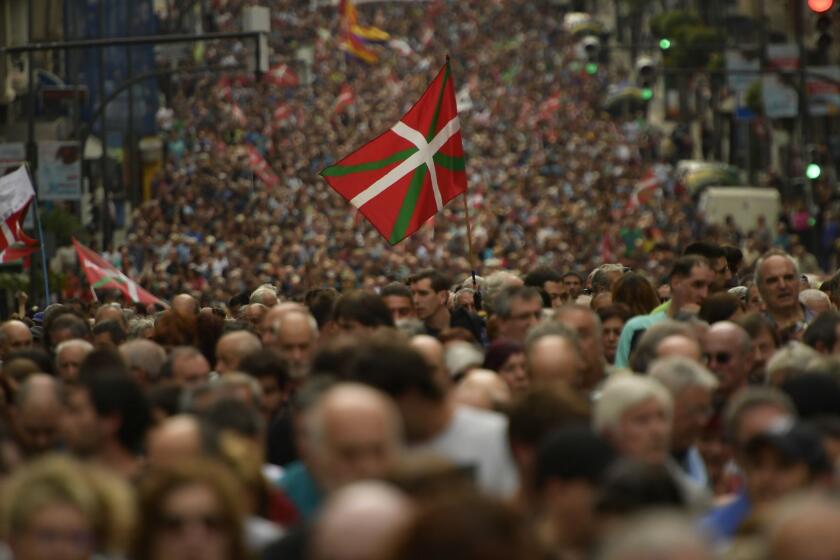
x=644, y=432
x=779, y=285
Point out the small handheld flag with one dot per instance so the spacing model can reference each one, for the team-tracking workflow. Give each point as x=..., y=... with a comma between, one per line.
x=410, y=172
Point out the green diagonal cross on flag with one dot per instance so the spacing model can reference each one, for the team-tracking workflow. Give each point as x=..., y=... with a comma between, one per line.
x=410, y=172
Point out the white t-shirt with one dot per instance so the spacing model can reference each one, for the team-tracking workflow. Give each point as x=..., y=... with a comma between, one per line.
x=478, y=438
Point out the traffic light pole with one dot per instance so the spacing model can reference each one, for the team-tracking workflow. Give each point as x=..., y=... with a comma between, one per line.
x=803, y=114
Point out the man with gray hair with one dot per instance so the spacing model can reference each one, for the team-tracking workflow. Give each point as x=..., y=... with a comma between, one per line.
x=144, y=359
x=69, y=356
x=234, y=346
x=266, y=295
x=691, y=386
x=777, y=278
x=553, y=353
x=295, y=335
x=603, y=278
x=587, y=326
x=517, y=309
x=815, y=301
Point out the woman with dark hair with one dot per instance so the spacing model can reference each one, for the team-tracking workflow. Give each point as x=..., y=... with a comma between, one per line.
x=718, y=307
x=190, y=511
x=636, y=292
x=507, y=358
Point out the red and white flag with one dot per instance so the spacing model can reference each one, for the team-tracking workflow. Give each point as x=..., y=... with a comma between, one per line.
x=102, y=274
x=262, y=169
x=12, y=254
x=345, y=99
x=644, y=190
x=16, y=194
x=282, y=76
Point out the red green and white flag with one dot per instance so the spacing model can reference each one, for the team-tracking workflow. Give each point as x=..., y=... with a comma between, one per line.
x=410, y=172
x=102, y=274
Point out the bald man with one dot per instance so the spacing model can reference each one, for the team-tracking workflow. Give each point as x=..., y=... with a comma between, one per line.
x=111, y=312
x=482, y=388
x=373, y=512
x=268, y=326
x=433, y=353
x=14, y=336
x=805, y=528
x=295, y=337
x=679, y=345
x=552, y=354
x=69, y=356
x=36, y=415
x=177, y=438
x=353, y=433
x=185, y=305
x=729, y=348
x=232, y=347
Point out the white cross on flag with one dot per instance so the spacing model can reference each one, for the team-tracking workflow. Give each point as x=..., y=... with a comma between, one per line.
x=102, y=274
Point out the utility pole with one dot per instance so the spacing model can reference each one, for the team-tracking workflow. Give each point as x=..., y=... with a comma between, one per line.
x=799, y=27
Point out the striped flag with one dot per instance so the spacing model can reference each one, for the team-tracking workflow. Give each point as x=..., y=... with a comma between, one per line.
x=16, y=194
x=410, y=172
x=102, y=274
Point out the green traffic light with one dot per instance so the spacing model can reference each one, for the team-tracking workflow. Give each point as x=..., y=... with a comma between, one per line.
x=664, y=44
x=591, y=68
x=647, y=94
x=813, y=171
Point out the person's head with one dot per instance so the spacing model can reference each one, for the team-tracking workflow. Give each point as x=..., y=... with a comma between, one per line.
x=187, y=367
x=730, y=356
x=569, y=468
x=507, y=358
x=185, y=305
x=518, y=309
x=434, y=353
x=805, y=527
x=605, y=276
x=777, y=278
x=822, y=333
x=373, y=512
x=612, y=318
x=634, y=413
x=664, y=534
x=482, y=388
x=716, y=256
x=264, y=295
x=234, y=346
x=253, y=313
x=691, y=386
x=14, y=335
x=190, y=510
x=752, y=411
x=36, y=416
x=468, y=527
x=398, y=370
x=295, y=339
x=587, y=326
x=65, y=326
x=534, y=414
x=430, y=293
x=69, y=356
x=110, y=312
x=815, y=301
x=176, y=439
x=655, y=342
x=57, y=509
x=107, y=409
x=573, y=283
x=551, y=283
x=361, y=312
x=397, y=297
x=110, y=333
x=786, y=458
x=765, y=341
x=721, y=306
x=321, y=302
x=789, y=361
x=552, y=354
x=353, y=433
x=690, y=279
x=144, y=359
x=272, y=371
x=636, y=292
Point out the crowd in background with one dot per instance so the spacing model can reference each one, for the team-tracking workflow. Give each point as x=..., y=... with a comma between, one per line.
x=618, y=382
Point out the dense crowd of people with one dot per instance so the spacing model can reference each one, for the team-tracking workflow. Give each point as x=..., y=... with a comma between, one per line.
x=618, y=382
x=542, y=415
